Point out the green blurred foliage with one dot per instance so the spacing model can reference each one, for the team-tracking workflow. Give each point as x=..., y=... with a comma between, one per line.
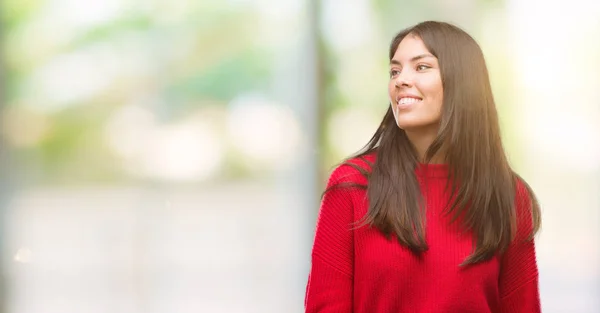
x=221, y=60
x=204, y=58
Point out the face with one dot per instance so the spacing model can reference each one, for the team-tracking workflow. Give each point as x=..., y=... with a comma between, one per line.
x=415, y=87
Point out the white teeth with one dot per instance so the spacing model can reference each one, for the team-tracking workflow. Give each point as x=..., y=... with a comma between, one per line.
x=408, y=100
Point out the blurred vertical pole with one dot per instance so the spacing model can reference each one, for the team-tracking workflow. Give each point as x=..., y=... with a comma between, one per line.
x=311, y=109
x=312, y=119
x=298, y=84
x=4, y=176
x=317, y=107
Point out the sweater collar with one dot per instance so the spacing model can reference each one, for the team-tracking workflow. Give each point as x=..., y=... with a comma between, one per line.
x=432, y=170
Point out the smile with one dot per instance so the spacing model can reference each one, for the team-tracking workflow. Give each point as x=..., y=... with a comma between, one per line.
x=408, y=100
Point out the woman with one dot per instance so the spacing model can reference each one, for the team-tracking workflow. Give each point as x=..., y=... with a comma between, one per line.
x=429, y=217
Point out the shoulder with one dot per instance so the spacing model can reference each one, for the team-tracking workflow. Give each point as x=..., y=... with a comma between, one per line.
x=527, y=210
x=354, y=170
x=523, y=196
x=522, y=189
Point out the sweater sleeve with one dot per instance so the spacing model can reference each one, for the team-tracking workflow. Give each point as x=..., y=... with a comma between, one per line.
x=518, y=284
x=330, y=282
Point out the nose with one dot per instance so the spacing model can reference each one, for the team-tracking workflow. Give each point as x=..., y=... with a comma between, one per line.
x=403, y=79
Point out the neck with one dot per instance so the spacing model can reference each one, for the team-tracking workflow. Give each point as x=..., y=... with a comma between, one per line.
x=421, y=141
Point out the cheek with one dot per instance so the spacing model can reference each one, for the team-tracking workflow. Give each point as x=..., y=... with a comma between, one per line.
x=435, y=95
x=390, y=89
x=439, y=96
x=436, y=92
x=438, y=102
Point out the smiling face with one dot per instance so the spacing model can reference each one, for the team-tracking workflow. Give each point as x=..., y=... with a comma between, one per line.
x=415, y=87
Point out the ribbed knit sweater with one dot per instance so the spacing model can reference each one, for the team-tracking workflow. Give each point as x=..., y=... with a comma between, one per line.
x=358, y=270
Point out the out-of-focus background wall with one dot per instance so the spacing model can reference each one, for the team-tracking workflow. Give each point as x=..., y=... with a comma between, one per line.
x=168, y=156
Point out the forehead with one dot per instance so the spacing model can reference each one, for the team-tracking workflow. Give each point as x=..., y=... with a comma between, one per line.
x=410, y=47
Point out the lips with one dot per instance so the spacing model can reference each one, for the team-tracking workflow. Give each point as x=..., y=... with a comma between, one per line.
x=408, y=100
x=405, y=102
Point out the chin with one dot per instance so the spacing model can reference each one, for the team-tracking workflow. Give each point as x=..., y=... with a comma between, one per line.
x=409, y=124
x=409, y=128
x=414, y=125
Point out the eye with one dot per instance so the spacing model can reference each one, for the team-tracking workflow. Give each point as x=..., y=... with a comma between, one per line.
x=422, y=67
x=394, y=73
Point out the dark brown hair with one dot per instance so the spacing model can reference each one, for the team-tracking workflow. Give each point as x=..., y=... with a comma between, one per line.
x=482, y=181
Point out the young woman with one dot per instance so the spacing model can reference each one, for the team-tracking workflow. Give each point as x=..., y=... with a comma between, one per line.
x=429, y=216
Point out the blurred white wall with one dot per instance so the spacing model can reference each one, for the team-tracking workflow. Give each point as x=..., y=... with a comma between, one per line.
x=558, y=118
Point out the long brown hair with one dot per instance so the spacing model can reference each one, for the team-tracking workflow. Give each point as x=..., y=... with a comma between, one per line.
x=482, y=182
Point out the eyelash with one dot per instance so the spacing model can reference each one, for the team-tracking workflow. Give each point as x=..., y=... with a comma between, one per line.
x=418, y=66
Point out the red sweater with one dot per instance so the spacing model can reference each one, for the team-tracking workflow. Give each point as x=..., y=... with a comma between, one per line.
x=361, y=271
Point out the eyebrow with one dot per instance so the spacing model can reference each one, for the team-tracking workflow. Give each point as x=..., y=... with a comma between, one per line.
x=413, y=59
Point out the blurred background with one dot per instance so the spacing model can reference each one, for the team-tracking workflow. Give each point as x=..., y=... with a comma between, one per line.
x=168, y=156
